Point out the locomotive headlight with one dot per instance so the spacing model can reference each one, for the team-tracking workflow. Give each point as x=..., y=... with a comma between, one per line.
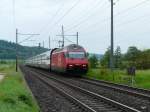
x=84, y=65
x=70, y=65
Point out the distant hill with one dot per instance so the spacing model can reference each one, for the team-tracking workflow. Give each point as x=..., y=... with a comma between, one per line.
x=8, y=50
x=99, y=56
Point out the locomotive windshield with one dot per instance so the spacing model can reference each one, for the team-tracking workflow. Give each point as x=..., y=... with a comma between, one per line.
x=76, y=55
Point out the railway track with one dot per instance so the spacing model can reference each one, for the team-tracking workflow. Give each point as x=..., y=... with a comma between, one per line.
x=43, y=86
x=91, y=99
x=130, y=97
x=140, y=91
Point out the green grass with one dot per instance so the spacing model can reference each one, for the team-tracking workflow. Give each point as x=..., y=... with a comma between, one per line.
x=141, y=80
x=14, y=94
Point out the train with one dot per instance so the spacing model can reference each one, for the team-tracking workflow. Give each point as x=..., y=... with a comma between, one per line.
x=70, y=59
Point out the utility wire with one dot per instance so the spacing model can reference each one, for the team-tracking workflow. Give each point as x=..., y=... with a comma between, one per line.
x=26, y=39
x=106, y=19
x=90, y=9
x=69, y=40
x=133, y=7
x=54, y=16
x=84, y=20
x=133, y=20
x=68, y=11
x=13, y=13
x=13, y=17
x=51, y=19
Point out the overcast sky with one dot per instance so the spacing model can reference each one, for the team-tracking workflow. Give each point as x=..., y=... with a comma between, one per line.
x=91, y=18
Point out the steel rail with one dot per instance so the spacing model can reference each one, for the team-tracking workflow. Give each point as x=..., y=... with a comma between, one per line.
x=140, y=90
x=107, y=100
x=126, y=86
x=69, y=97
x=119, y=89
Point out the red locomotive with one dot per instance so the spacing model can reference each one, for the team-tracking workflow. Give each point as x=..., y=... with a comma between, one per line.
x=70, y=59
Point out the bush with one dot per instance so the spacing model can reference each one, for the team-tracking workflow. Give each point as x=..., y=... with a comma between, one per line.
x=25, y=99
x=3, y=62
x=103, y=71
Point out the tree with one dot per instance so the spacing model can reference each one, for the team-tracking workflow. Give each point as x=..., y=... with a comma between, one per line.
x=143, y=61
x=93, y=61
x=117, y=57
x=132, y=55
x=105, y=61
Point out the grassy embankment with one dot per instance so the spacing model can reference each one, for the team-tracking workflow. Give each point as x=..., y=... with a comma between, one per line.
x=14, y=94
x=141, y=80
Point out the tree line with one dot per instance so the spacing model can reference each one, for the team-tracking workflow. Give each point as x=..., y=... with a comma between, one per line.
x=8, y=50
x=134, y=57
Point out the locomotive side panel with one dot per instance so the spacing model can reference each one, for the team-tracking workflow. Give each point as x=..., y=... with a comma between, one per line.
x=58, y=62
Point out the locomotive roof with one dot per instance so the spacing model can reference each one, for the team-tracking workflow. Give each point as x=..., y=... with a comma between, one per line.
x=39, y=55
x=73, y=46
x=70, y=47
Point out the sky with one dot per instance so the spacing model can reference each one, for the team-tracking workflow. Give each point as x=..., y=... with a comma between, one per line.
x=91, y=18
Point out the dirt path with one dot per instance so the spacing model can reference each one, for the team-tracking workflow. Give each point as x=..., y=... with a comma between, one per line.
x=1, y=76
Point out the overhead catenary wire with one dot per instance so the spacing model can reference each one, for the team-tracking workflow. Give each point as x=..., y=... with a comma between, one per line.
x=130, y=21
x=13, y=18
x=94, y=6
x=69, y=40
x=107, y=19
x=31, y=35
x=124, y=11
x=133, y=7
x=65, y=14
x=76, y=3
x=13, y=13
x=53, y=17
x=133, y=20
x=119, y=13
x=68, y=11
x=49, y=22
x=83, y=20
x=26, y=39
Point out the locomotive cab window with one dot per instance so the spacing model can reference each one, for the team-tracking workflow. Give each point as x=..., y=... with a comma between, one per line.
x=76, y=55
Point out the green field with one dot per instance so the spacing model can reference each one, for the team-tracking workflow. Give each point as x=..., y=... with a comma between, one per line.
x=141, y=80
x=14, y=94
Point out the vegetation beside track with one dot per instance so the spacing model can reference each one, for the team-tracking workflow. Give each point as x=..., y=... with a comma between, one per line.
x=141, y=80
x=14, y=94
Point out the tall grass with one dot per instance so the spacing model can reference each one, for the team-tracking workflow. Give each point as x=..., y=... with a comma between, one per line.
x=141, y=79
x=14, y=94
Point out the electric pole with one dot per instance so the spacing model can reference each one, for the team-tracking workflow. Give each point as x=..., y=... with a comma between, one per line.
x=49, y=42
x=112, y=38
x=43, y=43
x=16, y=50
x=17, y=43
x=39, y=45
x=77, y=38
x=60, y=43
x=63, y=35
x=63, y=41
